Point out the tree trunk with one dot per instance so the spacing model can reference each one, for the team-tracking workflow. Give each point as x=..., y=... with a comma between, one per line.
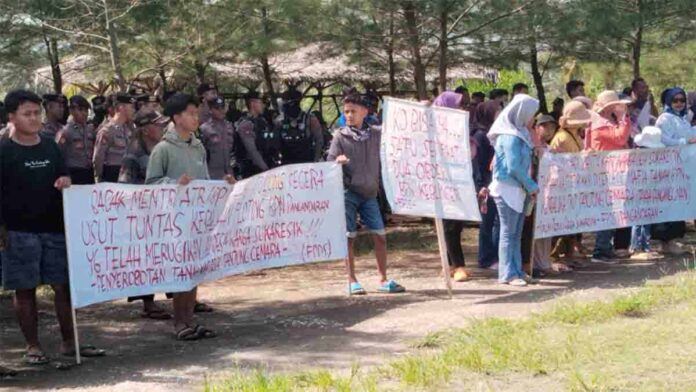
x=53, y=59
x=390, y=56
x=636, y=51
x=265, y=66
x=443, y=51
x=415, y=48
x=536, y=75
x=163, y=77
x=114, y=50
x=200, y=71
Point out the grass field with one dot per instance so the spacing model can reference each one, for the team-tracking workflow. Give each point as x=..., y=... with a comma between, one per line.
x=642, y=340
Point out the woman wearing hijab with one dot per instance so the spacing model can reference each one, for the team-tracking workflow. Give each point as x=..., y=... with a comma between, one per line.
x=454, y=228
x=676, y=130
x=489, y=229
x=512, y=187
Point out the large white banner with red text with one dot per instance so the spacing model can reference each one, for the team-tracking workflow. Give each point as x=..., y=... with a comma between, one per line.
x=588, y=192
x=426, y=161
x=128, y=240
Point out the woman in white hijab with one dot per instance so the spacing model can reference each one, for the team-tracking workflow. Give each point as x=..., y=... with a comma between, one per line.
x=512, y=185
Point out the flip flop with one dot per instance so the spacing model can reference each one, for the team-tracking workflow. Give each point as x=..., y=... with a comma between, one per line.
x=200, y=307
x=37, y=358
x=391, y=287
x=158, y=314
x=357, y=289
x=7, y=373
x=204, y=333
x=87, y=351
x=187, y=334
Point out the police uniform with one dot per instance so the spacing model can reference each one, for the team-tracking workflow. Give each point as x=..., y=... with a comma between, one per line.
x=111, y=145
x=300, y=133
x=256, y=146
x=76, y=142
x=52, y=127
x=218, y=138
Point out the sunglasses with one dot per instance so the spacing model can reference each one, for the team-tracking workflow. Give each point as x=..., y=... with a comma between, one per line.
x=679, y=100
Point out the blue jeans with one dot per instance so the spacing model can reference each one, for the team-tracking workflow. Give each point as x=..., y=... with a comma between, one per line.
x=368, y=208
x=604, y=245
x=489, y=236
x=510, y=246
x=640, y=238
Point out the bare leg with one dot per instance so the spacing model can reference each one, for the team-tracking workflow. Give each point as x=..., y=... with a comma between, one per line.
x=350, y=262
x=183, y=309
x=381, y=255
x=61, y=302
x=27, y=316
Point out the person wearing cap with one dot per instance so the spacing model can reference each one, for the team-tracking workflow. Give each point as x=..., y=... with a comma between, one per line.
x=54, y=107
x=151, y=126
x=609, y=130
x=356, y=146
x=181, y=158
x=99, y=110
x=149, y=103
x=650, y=137
x=217, y=135
x=206, y=92
x=76, y=141
x=113, y=139
x=257, y=144
x=301, y=136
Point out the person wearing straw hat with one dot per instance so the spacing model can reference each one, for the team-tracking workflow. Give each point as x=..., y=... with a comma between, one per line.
x=568, y=139
x=650, y=137
x=610, y=130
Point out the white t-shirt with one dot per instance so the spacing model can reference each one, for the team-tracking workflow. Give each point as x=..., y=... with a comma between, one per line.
x=513, y=195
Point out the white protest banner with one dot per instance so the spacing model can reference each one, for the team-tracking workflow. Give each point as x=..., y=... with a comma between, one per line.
x=128, y=240
x=588, y=192
x=426, y=161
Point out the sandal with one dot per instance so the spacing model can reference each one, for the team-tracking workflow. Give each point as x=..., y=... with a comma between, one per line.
x=87, y=352
x=6, y=373
x=187, y=334
x=202, y=308
x=157, y=314
x=204, y=333
x=391, y=287
x=357, y=289
x=36, y=358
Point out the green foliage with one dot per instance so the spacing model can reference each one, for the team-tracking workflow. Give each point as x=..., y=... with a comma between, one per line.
x=506, y=79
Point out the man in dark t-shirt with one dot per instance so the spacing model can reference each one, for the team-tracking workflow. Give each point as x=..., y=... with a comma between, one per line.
x=32, y=177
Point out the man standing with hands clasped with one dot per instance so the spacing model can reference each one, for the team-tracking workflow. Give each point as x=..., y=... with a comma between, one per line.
x=32, y=177
x=356, y=147
x=181, y=158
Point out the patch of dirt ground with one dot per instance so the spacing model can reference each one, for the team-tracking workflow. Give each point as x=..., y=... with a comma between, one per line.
x=297, y=318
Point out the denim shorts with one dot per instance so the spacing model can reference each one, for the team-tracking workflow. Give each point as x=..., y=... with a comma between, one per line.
x=32, y=259
x=368, y=208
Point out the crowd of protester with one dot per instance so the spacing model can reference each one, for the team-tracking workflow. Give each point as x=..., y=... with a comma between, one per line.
x=49, y=143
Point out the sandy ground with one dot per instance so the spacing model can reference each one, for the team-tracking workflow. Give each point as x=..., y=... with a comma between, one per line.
x=292, y=319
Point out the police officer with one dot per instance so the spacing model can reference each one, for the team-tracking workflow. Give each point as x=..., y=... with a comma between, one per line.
x=112, y=140
x=150, y=130
x=257, y=147
x=54, y=106
x=149, y=103
x=206, y=92
x=76, y=141
x=99, y=110
x=301, y=139
x=217, y=135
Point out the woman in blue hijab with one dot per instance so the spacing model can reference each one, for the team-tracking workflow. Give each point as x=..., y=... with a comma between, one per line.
x=673, y=122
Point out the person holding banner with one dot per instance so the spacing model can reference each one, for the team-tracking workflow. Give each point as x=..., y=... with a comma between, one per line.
x=676, y=130
x=513, y=189
x=32, y=176
x=357, y=147
x=610, y=130
x=181, y=158
x=453, y=228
